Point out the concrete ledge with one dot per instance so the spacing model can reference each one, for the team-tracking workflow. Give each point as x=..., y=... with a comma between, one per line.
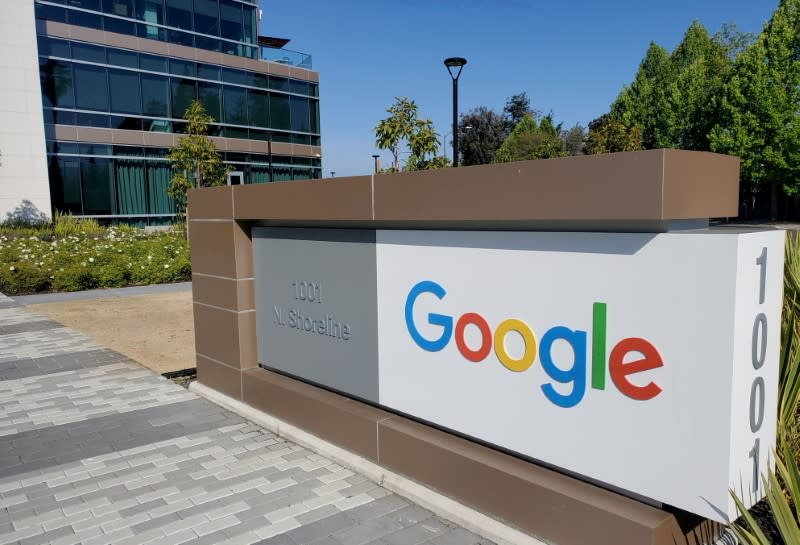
x=348, y=423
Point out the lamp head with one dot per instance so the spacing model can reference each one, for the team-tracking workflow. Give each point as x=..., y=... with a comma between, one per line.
x=455, y=62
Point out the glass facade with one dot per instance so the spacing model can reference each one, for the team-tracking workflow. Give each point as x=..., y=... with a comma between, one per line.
x=131, y=181
x=226, y=26
x=91, y=85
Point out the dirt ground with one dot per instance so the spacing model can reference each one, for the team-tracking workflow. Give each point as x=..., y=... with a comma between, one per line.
x=156, y=330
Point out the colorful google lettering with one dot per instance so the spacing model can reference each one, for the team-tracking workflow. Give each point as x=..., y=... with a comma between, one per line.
x=618, y=368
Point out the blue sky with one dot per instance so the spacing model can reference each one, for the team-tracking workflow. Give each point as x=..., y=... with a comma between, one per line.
x=571, y=57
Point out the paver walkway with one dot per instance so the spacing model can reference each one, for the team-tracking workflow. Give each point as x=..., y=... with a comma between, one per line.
x=96, y=449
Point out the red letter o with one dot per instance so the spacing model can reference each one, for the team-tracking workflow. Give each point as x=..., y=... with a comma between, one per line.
x=486, y=337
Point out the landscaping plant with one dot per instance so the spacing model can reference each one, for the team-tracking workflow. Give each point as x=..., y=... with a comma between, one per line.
x=76, y=254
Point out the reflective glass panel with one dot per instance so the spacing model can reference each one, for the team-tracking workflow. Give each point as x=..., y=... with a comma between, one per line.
x=155, y=95
x=125, y=91
x=206, y=17
x=258, y=106
x=183, y=93
x=91, y=87
x=235, y=103
x=211, y=97
x=179, y=13
x=231, y=20
x=279, y=113
x=300, y=115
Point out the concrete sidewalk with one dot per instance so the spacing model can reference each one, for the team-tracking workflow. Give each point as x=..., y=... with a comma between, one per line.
x=96, y=449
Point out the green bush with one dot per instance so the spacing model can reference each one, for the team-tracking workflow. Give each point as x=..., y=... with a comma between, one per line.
x=77, y=254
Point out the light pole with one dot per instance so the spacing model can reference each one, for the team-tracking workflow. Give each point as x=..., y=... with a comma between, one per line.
x=377, y=164
x=450, y=63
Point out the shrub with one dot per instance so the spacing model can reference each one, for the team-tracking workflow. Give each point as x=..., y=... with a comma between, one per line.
x=85, y=255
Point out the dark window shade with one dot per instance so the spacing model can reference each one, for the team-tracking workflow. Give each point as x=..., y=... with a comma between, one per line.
x=125, y=92
x=210, y=94
x=235, y=103
x=91, y=87
x=206, y=17
x=97, y=187
x=155, y=95
x=279, y=113
x=231, y=20
x=258, y=106
x=179, y=14
x=183, y=93
x=300, y=114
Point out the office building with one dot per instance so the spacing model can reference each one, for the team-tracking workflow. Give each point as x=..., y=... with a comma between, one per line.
x=96, y=90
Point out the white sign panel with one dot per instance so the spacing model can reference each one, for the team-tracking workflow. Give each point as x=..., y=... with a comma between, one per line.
x=644, y=361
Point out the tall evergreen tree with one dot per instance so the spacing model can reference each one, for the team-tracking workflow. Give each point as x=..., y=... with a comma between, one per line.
x=760, y=108
x=480, y=133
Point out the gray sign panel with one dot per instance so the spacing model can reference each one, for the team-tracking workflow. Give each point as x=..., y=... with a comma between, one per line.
x=316, y=306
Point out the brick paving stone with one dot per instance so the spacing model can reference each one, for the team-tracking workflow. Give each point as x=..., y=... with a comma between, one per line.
x=95, y=449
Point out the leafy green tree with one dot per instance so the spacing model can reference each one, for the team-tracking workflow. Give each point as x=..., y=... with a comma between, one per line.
x=575, y=140
x=531, y=140
x=404, y=126
x=480, y=133
x=674, y=98
x=607, y=134
x=761, y=105
x=645, y=103
x=195, y=161
x=517, y=107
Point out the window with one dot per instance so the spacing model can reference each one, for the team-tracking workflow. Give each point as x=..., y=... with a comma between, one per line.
x=82, y=18
x=314, y=115
x=123, y=8
x=181, y=68
x=90, y=53
x=210, y=95
x=155, y=95
x=279, y=113
x=179, y=14
x=299, y=87
x=65, y=176
x=54, y=47
x=278, y=83
x=183, y=93
x=206, y=17
x=152, y=63
x=91, y=88
x=258, y=107
x=229, y=75
x=57, y=89
x=235, y=102
x=120, y=26
x=231, y=20
x=86, y=4
x=300, y=117
x=248, y=29
x=125, y=91
x=119, y=57
x=97, y=180
x=150, y=11
x=208, y=71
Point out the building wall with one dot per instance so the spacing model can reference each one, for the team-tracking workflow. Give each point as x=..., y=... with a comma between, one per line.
x=24, y=186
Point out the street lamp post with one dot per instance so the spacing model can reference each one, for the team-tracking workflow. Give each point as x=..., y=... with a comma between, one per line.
x=375, y=158
x=451, y=63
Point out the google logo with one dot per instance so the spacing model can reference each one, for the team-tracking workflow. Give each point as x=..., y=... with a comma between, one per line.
x=618, y=368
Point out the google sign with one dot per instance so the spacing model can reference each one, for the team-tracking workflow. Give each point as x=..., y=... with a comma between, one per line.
x=575, y=374
x=643, y=361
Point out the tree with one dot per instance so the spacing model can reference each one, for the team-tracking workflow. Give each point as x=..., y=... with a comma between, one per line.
x=480, y=133
x=517, y=107
x=531, y=140
x=607, y=134
x=575, y=140
x=195, y=161
x=645, y=102
x=404, y=125
x=760, y=108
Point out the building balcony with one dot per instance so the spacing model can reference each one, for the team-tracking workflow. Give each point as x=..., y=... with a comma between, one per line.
x=286, y=56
